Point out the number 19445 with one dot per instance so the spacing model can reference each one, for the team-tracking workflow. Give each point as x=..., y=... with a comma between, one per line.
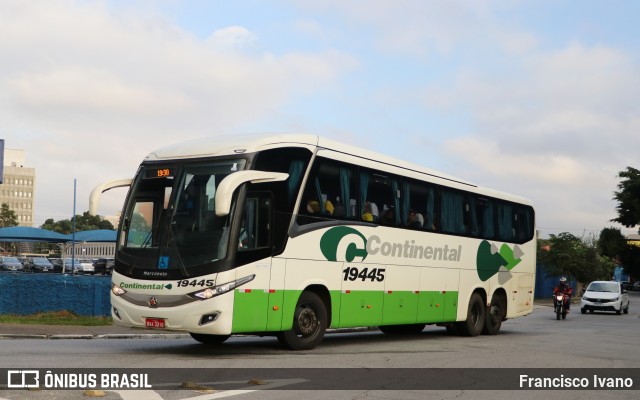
x=354, y=273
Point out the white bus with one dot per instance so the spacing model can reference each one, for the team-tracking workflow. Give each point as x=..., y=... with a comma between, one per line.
x=289, y=235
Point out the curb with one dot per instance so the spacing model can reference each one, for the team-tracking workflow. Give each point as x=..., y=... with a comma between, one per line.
x=102, y=336
x=142, y=335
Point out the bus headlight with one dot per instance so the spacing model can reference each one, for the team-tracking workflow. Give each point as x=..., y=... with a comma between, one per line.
x=117, y=290
x=220, y=289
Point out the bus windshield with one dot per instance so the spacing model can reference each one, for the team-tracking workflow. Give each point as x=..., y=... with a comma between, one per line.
x=170, y=227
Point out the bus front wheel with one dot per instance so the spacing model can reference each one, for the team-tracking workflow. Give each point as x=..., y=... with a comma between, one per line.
x=309, y=323
x=474, y=323
x=209, y=339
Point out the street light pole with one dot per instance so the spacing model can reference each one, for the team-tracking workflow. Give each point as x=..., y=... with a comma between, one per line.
x=73, y=230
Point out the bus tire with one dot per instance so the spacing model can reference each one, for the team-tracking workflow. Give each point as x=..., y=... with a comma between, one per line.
x=494, y=315
x=412, y=329
x=474, y=323
x=209, y=339
x=309, y=323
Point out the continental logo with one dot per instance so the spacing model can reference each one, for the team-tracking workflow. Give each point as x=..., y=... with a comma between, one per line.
x=490, y=259
x=145, y=286
x=343, y=243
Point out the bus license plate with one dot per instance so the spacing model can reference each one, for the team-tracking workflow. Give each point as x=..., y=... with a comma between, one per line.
x=154, y=323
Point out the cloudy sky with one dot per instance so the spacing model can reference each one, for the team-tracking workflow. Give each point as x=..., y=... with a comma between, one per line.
x=538, y=98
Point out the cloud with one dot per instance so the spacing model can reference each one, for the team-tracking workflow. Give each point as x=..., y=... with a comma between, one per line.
x=426, y=28
x=556, y=128
x=88, y=91
x=233, y=37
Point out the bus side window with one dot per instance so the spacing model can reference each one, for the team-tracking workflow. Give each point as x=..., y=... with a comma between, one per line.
x=255, y=226
x=506, y=231
x=328, y=184
x=380, y=192
x=452, y=212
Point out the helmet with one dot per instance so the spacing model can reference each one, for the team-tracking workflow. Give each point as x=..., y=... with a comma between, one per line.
x=563, y=279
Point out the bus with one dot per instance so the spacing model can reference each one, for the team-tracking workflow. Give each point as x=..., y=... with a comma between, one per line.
x=292, y=234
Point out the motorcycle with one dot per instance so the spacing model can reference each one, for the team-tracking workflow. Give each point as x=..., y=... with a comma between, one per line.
x=560, y=304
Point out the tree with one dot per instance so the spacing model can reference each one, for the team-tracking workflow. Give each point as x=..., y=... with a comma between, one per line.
x=566, y=254
x=8, y=217
x=628, y=198
x=611, y=243
x=630, y=259
x=84, y=222
x=614, y=245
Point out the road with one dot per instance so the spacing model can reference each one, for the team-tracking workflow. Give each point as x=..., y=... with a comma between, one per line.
x=602, y=341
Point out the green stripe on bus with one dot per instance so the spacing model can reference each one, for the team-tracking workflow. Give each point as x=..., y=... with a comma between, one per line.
x=261, y=311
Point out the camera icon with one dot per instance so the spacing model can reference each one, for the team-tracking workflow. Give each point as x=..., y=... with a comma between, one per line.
x=20, y=379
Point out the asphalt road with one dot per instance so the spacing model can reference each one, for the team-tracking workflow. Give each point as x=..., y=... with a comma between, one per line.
x=607, y=342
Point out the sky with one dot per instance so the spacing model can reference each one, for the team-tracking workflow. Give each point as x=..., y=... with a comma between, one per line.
x=538, y=98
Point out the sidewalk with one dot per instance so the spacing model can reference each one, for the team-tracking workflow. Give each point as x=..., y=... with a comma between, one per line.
x=28, y=331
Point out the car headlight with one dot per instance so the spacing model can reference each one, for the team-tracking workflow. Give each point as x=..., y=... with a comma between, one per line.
x=220, y=289
x=615, y=299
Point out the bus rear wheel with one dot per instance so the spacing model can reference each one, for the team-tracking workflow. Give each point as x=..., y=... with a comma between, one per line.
x=494, y=315
x=309, y=323
x=209, y=339
x=474, y=323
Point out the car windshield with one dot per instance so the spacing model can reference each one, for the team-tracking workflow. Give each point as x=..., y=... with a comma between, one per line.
x=603, y=287
x=41, y=261
x=11, y=260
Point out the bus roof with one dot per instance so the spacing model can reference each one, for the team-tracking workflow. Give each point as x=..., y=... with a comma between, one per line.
x=224, y=145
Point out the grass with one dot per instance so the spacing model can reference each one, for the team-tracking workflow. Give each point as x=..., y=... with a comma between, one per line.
x=55, y=318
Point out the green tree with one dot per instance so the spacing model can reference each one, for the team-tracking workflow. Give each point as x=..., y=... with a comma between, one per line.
x=628, y=198
x=611, y=243
x=566, y=254
x=614, y=245
x=630, y=259
x=8, y=217
x=84, y=222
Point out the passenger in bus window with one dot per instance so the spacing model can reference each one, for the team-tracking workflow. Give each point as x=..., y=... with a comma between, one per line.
x=367, y=215
x=339, y=210
x=388, y=217
x=313, y=207
x=374, y=211
x=415, y=220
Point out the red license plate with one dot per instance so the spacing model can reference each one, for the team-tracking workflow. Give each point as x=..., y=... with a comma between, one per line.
x=154, y=323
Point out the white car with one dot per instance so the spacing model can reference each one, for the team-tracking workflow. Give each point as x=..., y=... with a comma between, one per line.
x=79, y=267
x=605, y=296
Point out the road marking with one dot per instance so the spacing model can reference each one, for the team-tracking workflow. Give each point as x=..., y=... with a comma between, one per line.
x=153, y=395
x=138, y=394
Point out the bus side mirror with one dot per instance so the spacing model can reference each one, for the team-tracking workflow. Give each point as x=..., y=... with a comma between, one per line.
x=225, y=190
x=94, y=197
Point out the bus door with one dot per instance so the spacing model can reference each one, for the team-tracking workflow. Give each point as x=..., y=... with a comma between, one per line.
x=252, y=301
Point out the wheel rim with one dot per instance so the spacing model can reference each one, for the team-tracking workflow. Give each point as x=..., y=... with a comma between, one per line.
x=307, y=322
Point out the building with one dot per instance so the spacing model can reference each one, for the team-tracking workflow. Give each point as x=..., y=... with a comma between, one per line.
x=18, y=186
x=633, y=239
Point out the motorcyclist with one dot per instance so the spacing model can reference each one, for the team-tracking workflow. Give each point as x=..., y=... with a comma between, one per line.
x=564, y=288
